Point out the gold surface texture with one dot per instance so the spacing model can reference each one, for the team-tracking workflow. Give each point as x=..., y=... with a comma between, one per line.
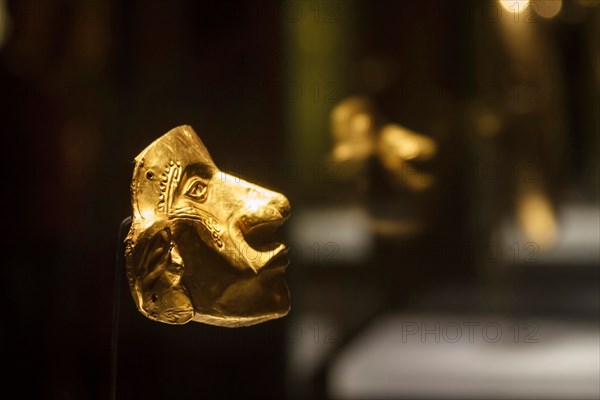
x=203, y=244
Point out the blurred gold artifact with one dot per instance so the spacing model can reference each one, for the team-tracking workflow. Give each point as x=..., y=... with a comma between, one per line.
x=359, y=133
x=203, y=244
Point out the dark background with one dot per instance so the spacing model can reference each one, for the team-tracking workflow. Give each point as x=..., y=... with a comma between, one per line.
x=86, y=85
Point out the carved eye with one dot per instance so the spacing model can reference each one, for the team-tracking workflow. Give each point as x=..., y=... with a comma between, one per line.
x=197, y=190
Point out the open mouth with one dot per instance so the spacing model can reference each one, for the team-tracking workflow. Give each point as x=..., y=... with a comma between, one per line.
x=264, y=237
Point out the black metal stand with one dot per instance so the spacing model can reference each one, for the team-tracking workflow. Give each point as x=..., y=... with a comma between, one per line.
x=114, y=342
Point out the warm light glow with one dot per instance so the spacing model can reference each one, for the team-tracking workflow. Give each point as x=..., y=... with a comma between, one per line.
x=343, y=152
x=406, y=144
x=408, y=149
x=548, y=8
x=353, y=130
x=515, y=6
x=488, y=124
x=361, y=123
x=537, y=218
x=399, y=146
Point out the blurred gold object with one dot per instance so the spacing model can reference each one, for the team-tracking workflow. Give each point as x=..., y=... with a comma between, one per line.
x=354, y=126
x=537, y=217
x=202, y=244
x=359, y=133
x=398, y=147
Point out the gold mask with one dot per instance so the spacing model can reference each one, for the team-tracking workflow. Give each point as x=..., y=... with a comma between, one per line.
x=202, y=243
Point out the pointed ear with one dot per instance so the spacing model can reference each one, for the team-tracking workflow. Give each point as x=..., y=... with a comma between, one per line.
x=154, y=269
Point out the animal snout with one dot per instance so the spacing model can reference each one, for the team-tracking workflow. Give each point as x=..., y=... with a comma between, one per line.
x=265, y=208
x=280, y=203
x=276, y=207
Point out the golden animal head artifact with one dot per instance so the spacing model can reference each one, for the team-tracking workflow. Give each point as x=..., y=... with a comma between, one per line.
x=203, y=244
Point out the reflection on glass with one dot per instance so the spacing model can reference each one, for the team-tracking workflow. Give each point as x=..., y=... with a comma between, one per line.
x=358, y=133
x=354, y=129
x=398, y=148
